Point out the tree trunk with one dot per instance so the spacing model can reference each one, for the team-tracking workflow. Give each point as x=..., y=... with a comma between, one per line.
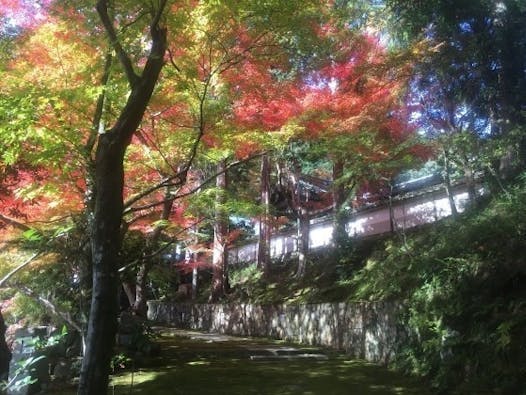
x=263, y=259
x=303, y=223
x=107, y=217
x=339, y=233
x=392, y=223
x=447, y=183
x=469, y=179
x=139, y=306
x=129, y=290
x=5, y=353
x=194, y=283
x=303, y=242
x=105, y=246
x=219, y=256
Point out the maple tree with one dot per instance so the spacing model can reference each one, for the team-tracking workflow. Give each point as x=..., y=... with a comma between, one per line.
x=350, y=107
x=265, y=107
x=244, y=101
x=263, y=256
x=343, y=104
x=57, y=123
x=38, y=156
x=152, y=91
x=84, y=122
x=353, y=108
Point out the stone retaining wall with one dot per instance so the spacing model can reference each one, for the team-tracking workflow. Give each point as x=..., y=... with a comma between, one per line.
x=364, y=330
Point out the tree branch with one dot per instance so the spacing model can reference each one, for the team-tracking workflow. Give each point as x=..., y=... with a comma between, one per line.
x=172, y=62
x=166, y=182
x=157, y=17
x=131, y=115
x=160, y=249
x=102, y=9
x=192, y=191
x=181, y=175
x=13, y=222
x=18, y=268
x=99, y=108
x=50, y=306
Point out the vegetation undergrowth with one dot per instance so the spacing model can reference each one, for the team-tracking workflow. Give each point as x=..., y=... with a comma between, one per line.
x=327, y=278
x=461, y=282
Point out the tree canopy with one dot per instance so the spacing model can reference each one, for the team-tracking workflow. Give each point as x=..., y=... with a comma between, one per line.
x=133, y=128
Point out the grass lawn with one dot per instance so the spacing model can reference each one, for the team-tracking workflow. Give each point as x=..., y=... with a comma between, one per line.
x=192, y=363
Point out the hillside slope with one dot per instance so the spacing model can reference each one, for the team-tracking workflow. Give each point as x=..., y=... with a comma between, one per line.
x=462, y=281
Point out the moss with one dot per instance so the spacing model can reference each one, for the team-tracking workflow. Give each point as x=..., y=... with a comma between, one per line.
x=199, y=367
x=205, y=366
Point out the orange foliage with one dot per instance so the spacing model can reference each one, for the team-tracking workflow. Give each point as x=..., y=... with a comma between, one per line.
x=22, y=197
x=246, y=148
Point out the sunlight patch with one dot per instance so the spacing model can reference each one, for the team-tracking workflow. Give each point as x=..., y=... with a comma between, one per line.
x=138, y=378
x=197, y=363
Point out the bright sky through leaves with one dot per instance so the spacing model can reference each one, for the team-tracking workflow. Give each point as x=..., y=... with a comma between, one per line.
x=15, y=14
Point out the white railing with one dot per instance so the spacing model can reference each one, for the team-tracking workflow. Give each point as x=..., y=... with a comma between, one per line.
x=406, y=213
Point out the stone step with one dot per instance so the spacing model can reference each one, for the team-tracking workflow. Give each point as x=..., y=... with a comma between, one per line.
x=285, y=353
x=321, y=357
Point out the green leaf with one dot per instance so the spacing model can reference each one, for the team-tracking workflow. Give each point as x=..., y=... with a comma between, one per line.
x=32, y=235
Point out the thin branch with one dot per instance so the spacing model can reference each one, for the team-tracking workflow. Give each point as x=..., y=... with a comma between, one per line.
x=161, y=249
x=134, y=21
x=235, y=59
x=97, y=117
x=181, y=175
x=157, y=17
x=13, y=222
x=213, y=177
x=50, y=306
x=162, y=184
x=8, y=276
x=51, y=221
x=148, y=141
x=102, y=9
x=194, y=190
x=172, y=62
x=202, y=100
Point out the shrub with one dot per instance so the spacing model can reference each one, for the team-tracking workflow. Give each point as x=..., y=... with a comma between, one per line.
x=462, y=282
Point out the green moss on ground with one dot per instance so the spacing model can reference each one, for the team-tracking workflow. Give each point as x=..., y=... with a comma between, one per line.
x=210, y=367
x=189, y=366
